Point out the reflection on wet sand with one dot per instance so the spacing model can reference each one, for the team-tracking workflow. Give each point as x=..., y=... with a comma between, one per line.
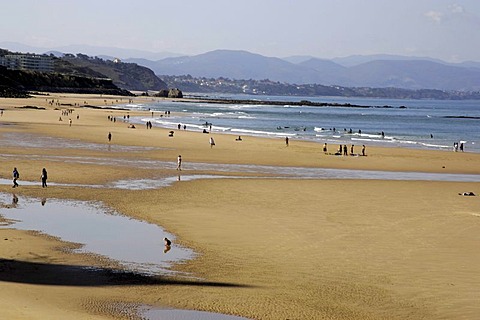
x=235, y=171
x=26, y=140
x=280, y=173
x=134, y=249
x=151, y=313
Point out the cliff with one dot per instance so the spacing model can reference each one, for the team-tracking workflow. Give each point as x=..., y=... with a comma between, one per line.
x=16, y=83
x=129, y=76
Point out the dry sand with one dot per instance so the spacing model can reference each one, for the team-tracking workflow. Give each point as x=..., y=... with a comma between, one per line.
x=269, y=249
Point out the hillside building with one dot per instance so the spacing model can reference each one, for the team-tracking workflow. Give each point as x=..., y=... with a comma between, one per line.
x=30, y=62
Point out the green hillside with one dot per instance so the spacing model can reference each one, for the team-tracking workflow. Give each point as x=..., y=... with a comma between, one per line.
x=78, y=74
x=129, y=76
x=16, y=83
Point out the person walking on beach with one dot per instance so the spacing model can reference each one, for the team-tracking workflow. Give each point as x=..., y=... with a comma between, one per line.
x=351, y=150
x=325, y=148
x=16, y=175
x=345, y=150
x=44, y=178
x=286, y=141
x=363, y=150
x=179, y=163
x=109, y=136
x=212, y=142
x=461, y=146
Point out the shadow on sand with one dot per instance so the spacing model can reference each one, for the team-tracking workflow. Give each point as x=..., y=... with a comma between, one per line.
x=84, y=276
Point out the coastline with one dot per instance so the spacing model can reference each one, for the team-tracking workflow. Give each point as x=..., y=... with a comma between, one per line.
x=281, y=103
x=420, y=126
x=283, y=248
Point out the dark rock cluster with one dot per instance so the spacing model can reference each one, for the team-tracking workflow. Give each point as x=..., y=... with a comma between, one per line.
x=172, y=93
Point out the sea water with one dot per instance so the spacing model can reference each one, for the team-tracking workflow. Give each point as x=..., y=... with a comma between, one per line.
x=429, y=124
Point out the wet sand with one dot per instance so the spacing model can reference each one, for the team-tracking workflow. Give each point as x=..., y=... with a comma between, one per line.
x=268, y=248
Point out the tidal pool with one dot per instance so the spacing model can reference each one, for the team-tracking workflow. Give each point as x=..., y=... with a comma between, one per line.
x=174, y=314
x=137, y=245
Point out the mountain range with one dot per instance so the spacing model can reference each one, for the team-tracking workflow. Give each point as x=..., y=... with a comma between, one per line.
x=377, y=71
x=398, y=72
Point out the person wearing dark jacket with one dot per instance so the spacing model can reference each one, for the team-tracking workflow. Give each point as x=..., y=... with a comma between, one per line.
x=16, y=175
x=44, y=178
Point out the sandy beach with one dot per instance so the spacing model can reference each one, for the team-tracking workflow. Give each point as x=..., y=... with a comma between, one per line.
x=282, y=248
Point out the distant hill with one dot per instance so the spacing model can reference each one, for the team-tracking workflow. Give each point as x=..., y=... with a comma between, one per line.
x=129, y=76
x=470, y=64
x=329, y=72
x=414, y=74
x=355, y=60
x=233, y=64
x=93, y=51
x=79, y=74
x=298, y=59
x=272, y=88
x=16, y=83
x=401, y=72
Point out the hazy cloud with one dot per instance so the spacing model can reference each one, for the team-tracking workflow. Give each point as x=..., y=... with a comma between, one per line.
x=456, y=9
x=453, y=11
x=459, y=12
x=435, y=16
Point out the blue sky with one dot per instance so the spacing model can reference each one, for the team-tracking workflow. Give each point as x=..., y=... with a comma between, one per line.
x=448, y=30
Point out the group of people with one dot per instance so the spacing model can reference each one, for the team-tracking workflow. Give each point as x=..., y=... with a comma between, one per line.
x=16, y=176
x=343, y=150
x=458, y=146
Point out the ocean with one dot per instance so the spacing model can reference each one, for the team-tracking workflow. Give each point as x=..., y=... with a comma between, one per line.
x=427, y=124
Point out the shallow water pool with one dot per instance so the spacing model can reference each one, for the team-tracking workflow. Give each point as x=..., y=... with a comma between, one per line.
x=135, y=244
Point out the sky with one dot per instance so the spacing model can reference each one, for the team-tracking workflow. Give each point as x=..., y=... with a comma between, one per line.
x=442, y=29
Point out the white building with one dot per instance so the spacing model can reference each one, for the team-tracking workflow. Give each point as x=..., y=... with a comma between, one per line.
x=31, y=62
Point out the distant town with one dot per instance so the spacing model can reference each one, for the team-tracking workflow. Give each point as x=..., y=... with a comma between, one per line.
x=188, y=83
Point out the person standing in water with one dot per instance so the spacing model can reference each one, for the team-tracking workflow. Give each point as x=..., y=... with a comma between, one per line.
x=168, y=245
x=179, y=163
x=16, y=175
x=44, y=178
